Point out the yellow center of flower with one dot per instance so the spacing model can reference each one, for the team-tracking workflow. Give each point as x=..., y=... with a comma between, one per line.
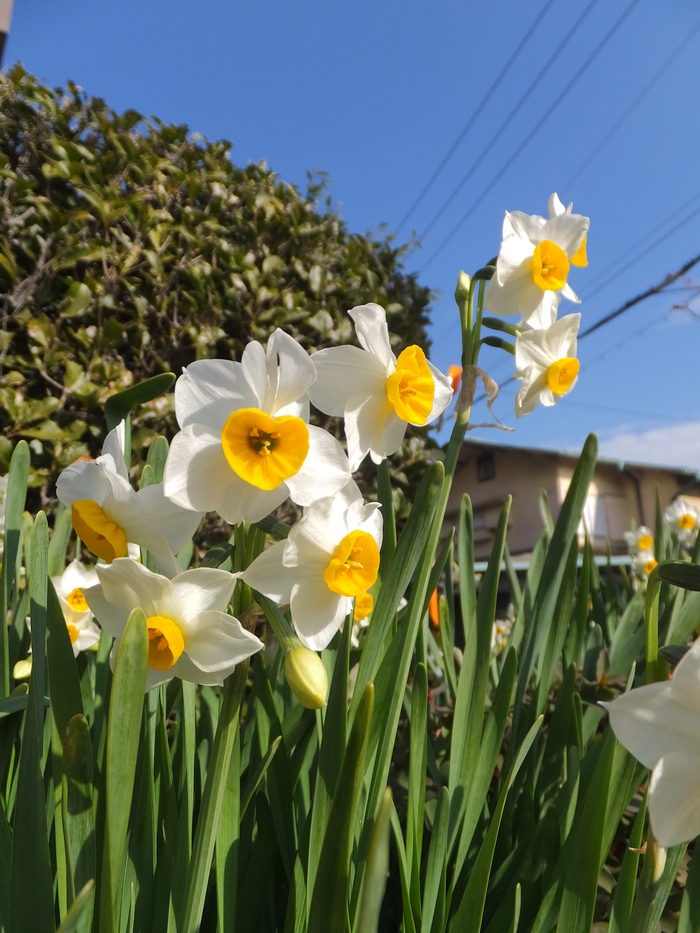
x=560, y=375
x=363, y=606
x=649, y=566
x=550, y=266
x=262, y=450
x=100, y=533
x=165, y=642
x=580, y=258
x=354, y=565
x=645, y=542
x=73, y=632
x=411, y=388
x=687, y=522
x=76, y=600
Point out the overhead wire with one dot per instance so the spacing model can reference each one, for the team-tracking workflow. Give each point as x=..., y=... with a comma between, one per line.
x=478, y=110
x=550, y=111
x=507, y=121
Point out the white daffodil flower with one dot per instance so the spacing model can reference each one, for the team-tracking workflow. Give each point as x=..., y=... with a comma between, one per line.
x=330, y=558
x=546, y=362
x=683, y=518
x=641, y=539
x=190, y=634
x=108, y=514
x=70, y=588
x=659, y=725
x=533, y=263
x=245, y=444
x=644, y=562
x=378, y=394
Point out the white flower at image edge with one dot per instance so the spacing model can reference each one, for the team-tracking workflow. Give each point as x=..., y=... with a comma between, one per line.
x=190, y=635
x=70, y=588
x=376, y=393
x=683, y=518
x=546, y=363
x=330, y=558
x=534, y=261
x=245, y=444
x=108, y=514
x=659, y=724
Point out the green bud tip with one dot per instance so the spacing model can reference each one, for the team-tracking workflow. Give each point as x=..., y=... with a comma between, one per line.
x=307, y=677
x=462, y=290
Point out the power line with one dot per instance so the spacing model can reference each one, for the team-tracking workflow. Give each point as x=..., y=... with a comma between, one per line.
x=506, y=122
x=551, y=109
x=638, y=99
x=470, y=122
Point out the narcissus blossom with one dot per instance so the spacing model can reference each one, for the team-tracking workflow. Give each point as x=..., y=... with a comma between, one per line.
x=190, y=634
x=245, y=444
x=70, y=588
x=546, y=362
x=378, y=394
x=644, y=562
x=533, y=263
x=641, y=539
x=108, y=514
x=659, y=725
x=330, y=558
x=683, y=519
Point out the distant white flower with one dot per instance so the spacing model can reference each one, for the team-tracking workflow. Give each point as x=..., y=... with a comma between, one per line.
x=546, y=363
x=190, y=635
x=70, y=588
x=683, y=518
x=644, y=562
x=108, y=514
x=330, y=557
x=501, y=630
x=659, y=725
x=378, y=394
x=245, y=444
x=641, y=539
x=533, y=263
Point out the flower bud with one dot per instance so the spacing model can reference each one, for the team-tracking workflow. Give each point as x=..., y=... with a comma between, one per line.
x=462, y=290
x=307, y=677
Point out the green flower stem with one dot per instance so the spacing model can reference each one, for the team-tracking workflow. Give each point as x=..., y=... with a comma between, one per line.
x=284, y=633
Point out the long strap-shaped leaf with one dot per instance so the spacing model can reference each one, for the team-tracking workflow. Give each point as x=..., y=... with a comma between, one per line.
x=77, y=816
x=123, y=732
x=329, y=901
x=14, y=507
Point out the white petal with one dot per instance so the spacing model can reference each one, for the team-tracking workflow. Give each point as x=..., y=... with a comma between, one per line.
x=83, y=481
x=373, y=333
x=209, y=390
x=555, y=206
x=174, y=523
x=254, y=365
x=443, y=392
x=199, y=590
x=114, y=447
x=112, y=617
x=674, y=798
x=392, y=437
x=197, y=473
x=268, y=575
x=323, y=473
x=514, y=258
x=215, y=641
x=570, y=295
x=567, y=231
x=530, y=393
x=365, y=420
x=344, y=372
x=132, y=585
x=526, y=226
x=317, y=612
x=293, y=370
x=244, y=502
x=520, y=295
x=651, y=723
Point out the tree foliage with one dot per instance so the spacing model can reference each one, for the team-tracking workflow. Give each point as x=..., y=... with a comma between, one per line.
x=130, y=248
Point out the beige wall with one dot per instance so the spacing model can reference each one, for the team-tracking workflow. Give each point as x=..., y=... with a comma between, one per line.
x=619, y=496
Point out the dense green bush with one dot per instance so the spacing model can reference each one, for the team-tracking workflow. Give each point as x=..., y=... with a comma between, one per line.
x=130, y=248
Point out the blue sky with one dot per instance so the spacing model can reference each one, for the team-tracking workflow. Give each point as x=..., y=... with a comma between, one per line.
x=376, y=93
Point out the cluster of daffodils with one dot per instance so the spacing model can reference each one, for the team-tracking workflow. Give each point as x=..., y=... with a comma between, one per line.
x=531, y=275
x=641, y=547
x=245, y=445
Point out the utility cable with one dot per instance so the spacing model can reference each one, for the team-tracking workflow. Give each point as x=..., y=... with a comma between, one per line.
x=548, y=114
x=480, y=107
x=507, y=121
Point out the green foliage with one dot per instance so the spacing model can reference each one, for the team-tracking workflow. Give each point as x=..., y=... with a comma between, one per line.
x=129, y=248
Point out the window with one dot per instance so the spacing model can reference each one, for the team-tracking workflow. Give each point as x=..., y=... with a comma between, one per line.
x=485, y=467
